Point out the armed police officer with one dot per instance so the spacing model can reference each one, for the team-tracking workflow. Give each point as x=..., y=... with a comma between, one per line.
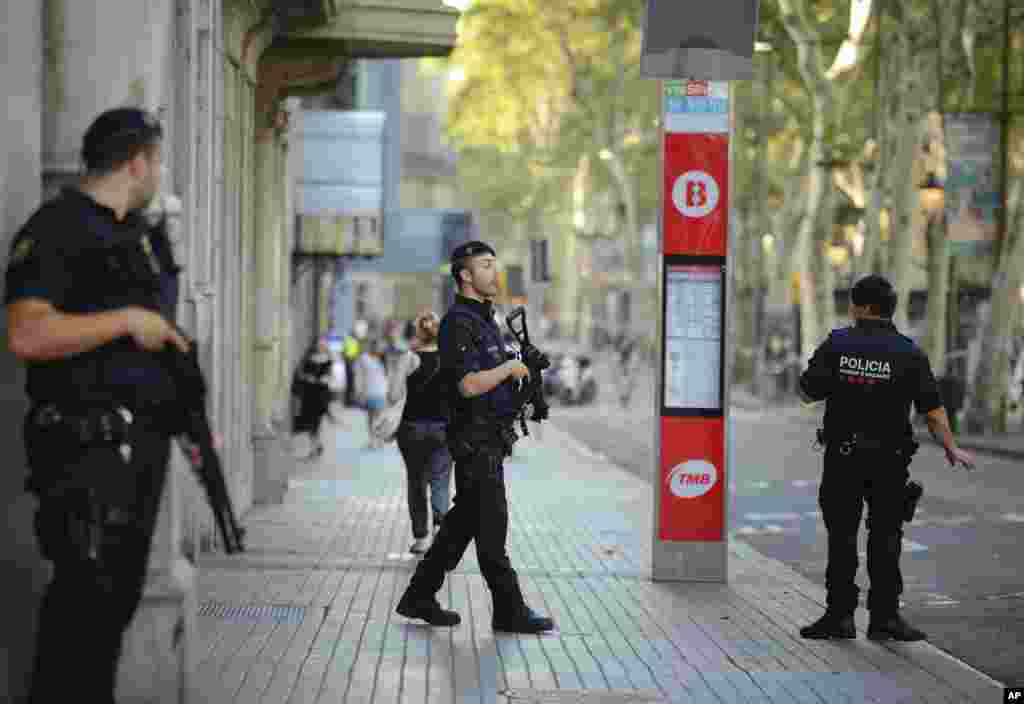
x=480, y=380
x=91, y=288
x=868, y=375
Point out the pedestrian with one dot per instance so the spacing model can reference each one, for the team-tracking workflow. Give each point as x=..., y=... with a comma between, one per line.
x=372, y=387
x=91, y=291
x=421, y=436
x=312, y=384
x=869, y=375
x=627, y=363
x=337, y=384
x=479, y=379
x=350, y=350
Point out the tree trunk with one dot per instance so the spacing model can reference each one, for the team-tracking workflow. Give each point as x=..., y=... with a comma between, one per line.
x=990, y=378
x=627, y=194
x=745, y=281
x=805, y=250
x=865, y=263
x=906, y=199
x=824, y=273
x=785, y=228
x=934, y=343
x=796, y=16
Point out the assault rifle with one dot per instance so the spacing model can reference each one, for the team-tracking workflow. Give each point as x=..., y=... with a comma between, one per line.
x=530, y=397
x=195, y=425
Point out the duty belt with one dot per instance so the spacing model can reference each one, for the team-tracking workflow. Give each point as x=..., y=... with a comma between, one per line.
x=859, y=441
x=89, y=425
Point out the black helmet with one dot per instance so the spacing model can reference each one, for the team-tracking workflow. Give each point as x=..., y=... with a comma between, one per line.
x=116, y=135
x=875, y=290
x=465, y=251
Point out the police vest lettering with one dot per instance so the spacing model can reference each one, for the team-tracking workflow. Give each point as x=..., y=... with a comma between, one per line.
x=869, y=367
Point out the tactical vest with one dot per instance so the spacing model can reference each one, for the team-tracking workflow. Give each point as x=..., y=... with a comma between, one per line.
x=497, y=406
x=135, y=267
x=874, y=382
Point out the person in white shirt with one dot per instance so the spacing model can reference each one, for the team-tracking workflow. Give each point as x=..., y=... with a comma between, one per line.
x=372, y=386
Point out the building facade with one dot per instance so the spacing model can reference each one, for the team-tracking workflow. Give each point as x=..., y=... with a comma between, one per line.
x=220, y=74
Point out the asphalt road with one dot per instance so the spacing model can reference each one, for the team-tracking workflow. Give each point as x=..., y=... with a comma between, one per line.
x=962, y=565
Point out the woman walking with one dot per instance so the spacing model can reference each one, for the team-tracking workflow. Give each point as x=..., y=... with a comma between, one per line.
x=312, y=387
x=421, y=435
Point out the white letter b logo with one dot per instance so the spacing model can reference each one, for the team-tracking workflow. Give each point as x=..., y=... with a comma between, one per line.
x=695, y=194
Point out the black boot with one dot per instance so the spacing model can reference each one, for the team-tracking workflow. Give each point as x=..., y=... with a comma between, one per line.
x=893, y=628
x=525, y=620
x=830, y=626
x=428, y=610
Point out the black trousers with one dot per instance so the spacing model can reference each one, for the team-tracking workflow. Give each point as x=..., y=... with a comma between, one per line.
x=479, y=513
x=878, y=478
x=424, y=449
x=89, y=604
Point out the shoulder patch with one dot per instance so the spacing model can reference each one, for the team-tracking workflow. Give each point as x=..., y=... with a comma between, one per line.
x=22, y=250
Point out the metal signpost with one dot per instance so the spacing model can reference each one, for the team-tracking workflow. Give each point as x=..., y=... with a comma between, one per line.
x=691, y=494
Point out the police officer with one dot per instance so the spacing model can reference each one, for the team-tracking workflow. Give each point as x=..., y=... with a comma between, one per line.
x=91, y=286
x=868, y=375
x=480, y=377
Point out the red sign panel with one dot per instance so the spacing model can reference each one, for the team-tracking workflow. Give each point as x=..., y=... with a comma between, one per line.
x=696, y=203
x=692, y=491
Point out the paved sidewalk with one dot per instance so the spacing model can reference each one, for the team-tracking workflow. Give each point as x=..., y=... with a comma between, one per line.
x=307, y=614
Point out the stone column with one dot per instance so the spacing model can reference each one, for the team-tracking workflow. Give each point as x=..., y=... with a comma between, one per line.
x=281, y=413
x=268, y=452
x=24, y=574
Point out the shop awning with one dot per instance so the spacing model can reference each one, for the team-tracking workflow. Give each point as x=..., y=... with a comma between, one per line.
x=374, y=29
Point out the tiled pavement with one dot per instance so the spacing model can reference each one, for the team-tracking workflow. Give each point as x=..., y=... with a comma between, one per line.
x=332, y=562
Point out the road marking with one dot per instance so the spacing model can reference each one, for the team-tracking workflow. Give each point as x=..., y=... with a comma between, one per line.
x=908, y=546
x=770, y=529
x=1013, y=517
x=934, y=599
x=953, y=520
x=771, y=516
x=813, y=514
x=1015, y=595
x=758, y=485
x=802, y=483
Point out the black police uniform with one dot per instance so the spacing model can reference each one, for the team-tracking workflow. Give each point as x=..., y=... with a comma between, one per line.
x=480, y=436
x=868, y=374
x=98, y=473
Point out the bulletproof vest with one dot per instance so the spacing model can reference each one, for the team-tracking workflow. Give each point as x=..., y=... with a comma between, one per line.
x=133, y=266
x=874, y=381
x=499, y=404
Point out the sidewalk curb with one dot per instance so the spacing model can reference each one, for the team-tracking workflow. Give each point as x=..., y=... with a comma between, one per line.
x=943, y=665
x=750, y=404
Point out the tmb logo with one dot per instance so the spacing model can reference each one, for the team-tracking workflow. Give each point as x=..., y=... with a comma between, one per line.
x=695, y=194
x=1013, y=694
x=692, y=478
